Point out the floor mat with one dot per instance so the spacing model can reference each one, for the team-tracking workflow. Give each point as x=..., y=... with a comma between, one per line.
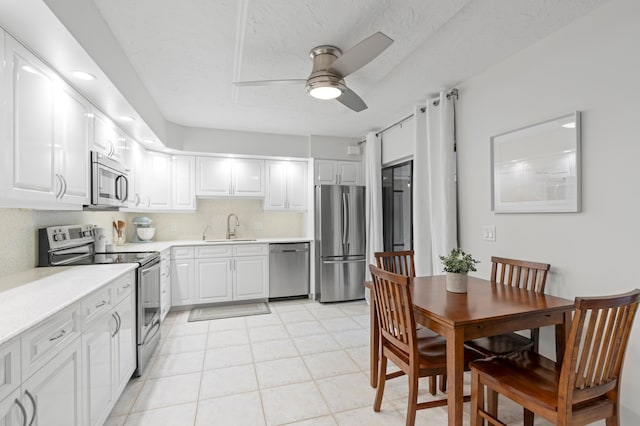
x=230, y=311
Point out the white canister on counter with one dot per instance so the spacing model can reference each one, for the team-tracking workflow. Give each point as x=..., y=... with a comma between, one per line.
x=101, y=240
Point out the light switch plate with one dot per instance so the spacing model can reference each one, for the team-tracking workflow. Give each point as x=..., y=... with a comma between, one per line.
x=489, y=232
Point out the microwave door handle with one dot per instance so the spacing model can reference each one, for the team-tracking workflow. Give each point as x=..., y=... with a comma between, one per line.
x=126, y=188
x=118, y=196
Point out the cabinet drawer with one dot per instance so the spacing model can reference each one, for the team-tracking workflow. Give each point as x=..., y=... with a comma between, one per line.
x=250, y=250
x=123, y=286
x=9, y=367
x=43, y=342
x=96, y=304
x=214, y=251
x=182, y=252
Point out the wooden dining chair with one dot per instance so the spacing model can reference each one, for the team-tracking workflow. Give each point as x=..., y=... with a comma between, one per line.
x=514, y=273
x=584, y=387
x=416, y=357
x=402, y=263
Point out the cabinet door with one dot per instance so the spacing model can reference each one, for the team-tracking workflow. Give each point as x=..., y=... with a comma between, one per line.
x=30, y=146
x=184, y=187
x=297, y=190
x=10, y=412
x=182, y=282
x=349, y=173
x=73, y=121
x=56, y=390
x=247, y=178
x=98, y=369
x=124, y=344
x=251, y=278
x=159, y=180
x=326, y=172
x=138, y=199
x=214, y=280
x=213, y=176
x=275, y=197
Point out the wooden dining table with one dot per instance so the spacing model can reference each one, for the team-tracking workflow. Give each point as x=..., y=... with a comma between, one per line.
x=486, y=309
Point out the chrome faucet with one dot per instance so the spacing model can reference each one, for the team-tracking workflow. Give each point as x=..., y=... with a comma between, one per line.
x=204, y=233
x=232, y=234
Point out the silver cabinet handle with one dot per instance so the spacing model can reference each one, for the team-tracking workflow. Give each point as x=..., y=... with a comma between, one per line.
x=119, y=322
x=126, y=286
x=24, y=412
x=64, y=186
x=35, y=406
x=62, y=333
x=101, y=304
x=113, y=315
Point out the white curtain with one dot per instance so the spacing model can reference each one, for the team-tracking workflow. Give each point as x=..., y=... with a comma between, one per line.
x=373, y=182
x=434, y=184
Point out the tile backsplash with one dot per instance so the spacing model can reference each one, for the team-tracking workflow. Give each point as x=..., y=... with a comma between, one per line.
x=19, y=248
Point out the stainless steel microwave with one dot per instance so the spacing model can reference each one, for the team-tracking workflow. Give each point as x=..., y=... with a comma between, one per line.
x=109, y=183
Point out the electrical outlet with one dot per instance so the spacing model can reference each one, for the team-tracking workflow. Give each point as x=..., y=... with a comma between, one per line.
x=257, y=226
x=172, y=227
x=489, y=232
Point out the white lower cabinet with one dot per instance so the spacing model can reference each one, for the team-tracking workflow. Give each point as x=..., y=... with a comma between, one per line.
x=219, y=273
x=124, y=344
x=108, y=346
x=251, y=278
x=214, y=280
x=52, y=396
x=12, y=412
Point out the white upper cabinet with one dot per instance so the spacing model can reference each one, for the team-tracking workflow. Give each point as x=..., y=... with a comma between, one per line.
x=107, y=138
x=224, y=177
x=184, y=182
x=73, y=126
x=331, y=172
x=47, y=163
x=158, y=173
x=138, y=197
x=286, y=185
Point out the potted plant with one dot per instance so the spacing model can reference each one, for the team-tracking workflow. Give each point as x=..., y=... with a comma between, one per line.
x=457, y=264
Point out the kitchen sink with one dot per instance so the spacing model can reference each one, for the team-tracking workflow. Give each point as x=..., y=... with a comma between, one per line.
x=229, y=240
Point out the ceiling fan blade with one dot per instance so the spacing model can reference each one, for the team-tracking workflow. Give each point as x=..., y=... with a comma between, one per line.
x=361, y=54
x=270, y=82
x=350, y=99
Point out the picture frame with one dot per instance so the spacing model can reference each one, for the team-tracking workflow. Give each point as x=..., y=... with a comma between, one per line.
x=537, y=168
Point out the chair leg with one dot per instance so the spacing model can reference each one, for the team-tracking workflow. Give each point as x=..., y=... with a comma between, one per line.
x=412, y=405
x=382, y=376
x=443, y=383
x=528, y=417
x=477, y=399
x=432, y=385
x=615, y=419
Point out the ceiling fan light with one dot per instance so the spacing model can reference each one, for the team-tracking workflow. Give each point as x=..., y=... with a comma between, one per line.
x=325, y=92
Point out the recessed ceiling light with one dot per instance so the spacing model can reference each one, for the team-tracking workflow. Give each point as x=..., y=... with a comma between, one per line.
x=81, y=75
x=29, y=68
x=126, y=118
x=571, y=125
x=149, y=141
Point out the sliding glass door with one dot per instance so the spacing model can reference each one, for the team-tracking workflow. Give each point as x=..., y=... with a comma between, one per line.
x=397, y=208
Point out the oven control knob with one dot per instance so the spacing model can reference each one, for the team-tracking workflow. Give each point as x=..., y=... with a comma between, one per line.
x=58, y=237
x=86, y=233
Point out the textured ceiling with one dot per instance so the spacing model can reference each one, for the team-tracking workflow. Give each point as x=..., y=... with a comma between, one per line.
x=188, y=53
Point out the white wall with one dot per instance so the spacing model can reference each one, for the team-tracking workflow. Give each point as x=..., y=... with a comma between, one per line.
x=593, y=66
x=333, y=148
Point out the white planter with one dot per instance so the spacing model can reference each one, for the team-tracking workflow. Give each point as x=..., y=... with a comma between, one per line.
x=456, y=283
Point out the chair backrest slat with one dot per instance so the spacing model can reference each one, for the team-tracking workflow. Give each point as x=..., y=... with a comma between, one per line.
x=519, y=273
x=596, y=346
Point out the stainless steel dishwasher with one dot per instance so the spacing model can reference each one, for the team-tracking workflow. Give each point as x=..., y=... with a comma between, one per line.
x=288, y=270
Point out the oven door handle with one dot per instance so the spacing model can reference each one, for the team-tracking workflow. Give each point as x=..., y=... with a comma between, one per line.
x=156, y=326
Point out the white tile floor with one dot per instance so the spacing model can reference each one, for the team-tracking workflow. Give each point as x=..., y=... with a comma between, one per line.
x=303, y=364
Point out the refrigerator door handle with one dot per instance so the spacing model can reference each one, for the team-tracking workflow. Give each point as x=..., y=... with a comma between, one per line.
x=345, y=218
x=345, y=261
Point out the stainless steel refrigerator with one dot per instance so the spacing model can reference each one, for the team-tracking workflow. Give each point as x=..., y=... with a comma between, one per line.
x=340, y=243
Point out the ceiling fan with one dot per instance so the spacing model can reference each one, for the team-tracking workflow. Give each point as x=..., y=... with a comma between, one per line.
x=331, y=66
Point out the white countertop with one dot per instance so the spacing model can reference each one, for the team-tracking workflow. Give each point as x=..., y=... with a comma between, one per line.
x=162, y=245
x=32, y=296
